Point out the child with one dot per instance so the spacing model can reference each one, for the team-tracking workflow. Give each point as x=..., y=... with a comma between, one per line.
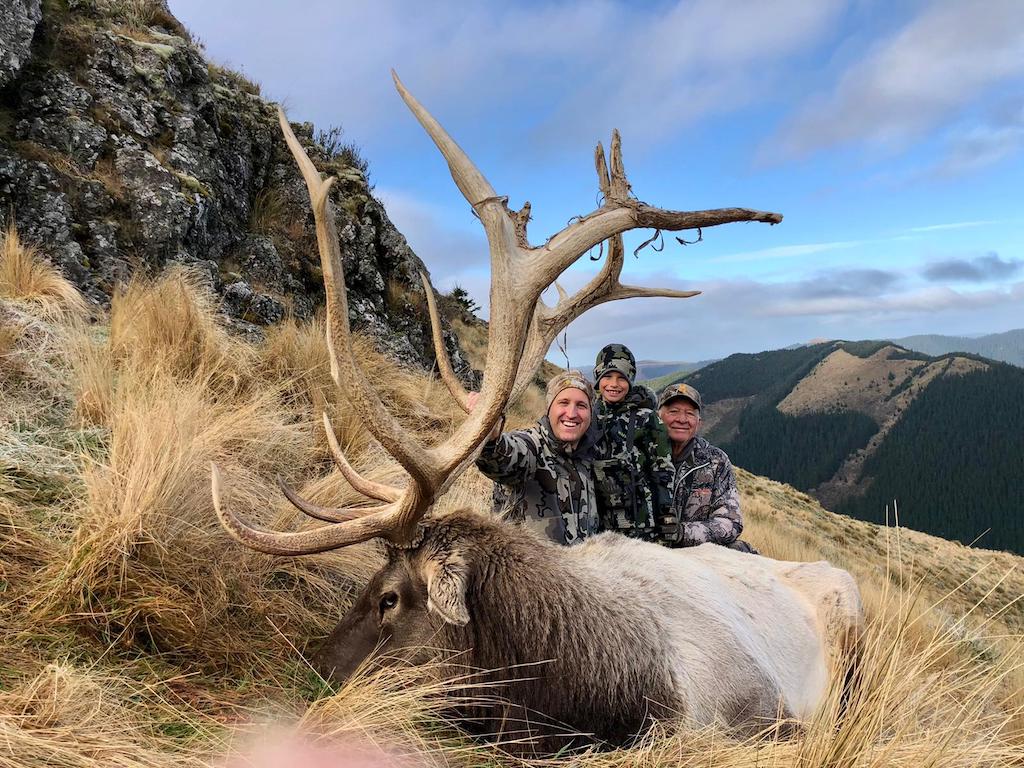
x=634, y=469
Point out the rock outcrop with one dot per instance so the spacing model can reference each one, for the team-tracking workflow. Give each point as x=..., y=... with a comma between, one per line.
x=123, y=150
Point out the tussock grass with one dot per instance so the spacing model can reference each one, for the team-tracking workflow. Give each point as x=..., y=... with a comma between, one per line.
x=169, y=325
x=297, y=356
x=146, y=563
x=25, y=276
x=65, y=716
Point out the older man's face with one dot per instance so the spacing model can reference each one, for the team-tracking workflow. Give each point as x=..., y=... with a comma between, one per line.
x=682, y=419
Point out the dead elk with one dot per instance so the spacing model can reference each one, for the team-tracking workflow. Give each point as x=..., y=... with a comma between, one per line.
x=613, y=630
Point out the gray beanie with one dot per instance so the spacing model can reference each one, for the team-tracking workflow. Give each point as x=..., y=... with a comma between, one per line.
x=568, y=380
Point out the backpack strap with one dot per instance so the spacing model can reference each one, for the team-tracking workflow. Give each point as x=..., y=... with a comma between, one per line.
x=630, y=436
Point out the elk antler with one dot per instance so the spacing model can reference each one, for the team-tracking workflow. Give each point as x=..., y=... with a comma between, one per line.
x=521, y=329
x=547, y=322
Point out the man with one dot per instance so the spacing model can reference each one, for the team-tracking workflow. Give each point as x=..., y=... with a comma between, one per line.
x=633, y=470
x=706, y=501
x=544, y=475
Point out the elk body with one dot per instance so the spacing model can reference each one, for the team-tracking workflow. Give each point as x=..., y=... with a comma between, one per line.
x=614, y=630
x=596, y=639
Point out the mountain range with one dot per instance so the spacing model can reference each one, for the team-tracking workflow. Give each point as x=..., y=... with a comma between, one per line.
x=873, y=429
x=1007, y=347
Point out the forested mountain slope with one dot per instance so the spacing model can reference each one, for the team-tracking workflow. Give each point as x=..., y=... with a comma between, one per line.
x=861, y=424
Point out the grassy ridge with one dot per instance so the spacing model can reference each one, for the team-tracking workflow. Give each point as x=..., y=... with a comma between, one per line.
x=134, y=632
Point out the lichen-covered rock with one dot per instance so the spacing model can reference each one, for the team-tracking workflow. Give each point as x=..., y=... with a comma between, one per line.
x=128, y=151
x=18, y=20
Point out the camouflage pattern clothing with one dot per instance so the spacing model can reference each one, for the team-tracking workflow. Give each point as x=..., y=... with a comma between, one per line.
x=544, y=483
x=706, y=500
x=633, y=470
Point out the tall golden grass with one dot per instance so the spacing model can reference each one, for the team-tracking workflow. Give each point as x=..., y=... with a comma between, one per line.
x=25, y=276
x=134, y=632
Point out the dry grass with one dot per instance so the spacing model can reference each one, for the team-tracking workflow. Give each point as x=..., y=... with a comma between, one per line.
x=134, y=632
x=169, y=325
x=26, y=277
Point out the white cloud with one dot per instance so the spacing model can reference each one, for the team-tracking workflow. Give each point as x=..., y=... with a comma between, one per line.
x=788, y=251
x=747, y=315
x=581, y=67
x=951, y=225
x=944, y=60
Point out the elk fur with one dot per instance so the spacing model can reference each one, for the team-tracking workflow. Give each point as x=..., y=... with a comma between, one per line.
x=603, y=636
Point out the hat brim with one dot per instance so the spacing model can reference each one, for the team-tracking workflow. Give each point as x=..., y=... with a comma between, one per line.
x=679, y=397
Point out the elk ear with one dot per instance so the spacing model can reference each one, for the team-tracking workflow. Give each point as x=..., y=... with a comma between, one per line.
x=446, y=589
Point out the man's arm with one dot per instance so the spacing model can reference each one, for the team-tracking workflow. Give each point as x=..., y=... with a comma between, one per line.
x=723, y=521
x=510, y=457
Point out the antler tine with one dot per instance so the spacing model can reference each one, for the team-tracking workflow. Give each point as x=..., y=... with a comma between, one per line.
x=619, y=186
x=603, y=182
x=380, y=422
x=620, y=213
x=548, y=322
x=320, y=539
x=444, y=364
x=327, y=514
x=474, y=187
x=370, y=488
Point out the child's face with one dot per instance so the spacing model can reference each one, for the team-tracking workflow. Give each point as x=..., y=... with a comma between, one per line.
x=613, y=386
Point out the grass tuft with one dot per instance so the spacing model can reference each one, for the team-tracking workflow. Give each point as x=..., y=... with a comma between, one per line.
x=25, y=276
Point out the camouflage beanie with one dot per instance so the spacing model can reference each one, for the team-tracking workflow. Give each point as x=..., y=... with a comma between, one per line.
x=615, y=357
x=567, y=380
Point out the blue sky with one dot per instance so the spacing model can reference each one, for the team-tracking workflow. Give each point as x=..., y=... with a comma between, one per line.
x=889, y=134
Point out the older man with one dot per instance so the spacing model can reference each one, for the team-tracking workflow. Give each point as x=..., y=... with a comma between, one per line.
x=544, y=476
x=705, y=498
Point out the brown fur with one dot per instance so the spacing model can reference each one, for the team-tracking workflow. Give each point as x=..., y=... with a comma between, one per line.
x=590, y=664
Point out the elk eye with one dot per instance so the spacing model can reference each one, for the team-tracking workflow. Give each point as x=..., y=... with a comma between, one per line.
x=388, y=601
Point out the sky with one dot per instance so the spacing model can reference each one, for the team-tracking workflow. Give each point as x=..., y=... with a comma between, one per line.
x=890, y=135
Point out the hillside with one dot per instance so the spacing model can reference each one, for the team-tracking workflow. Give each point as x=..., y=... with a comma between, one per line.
x=1007, y=347
x=860, y=424
x=135, y=633
x=124, y=152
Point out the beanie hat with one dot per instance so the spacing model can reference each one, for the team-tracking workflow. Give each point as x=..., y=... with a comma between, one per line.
x=566, y=380
x=615, y=357
x=672, y=391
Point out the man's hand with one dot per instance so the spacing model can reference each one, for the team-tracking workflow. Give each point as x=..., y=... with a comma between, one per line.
x=471, y=400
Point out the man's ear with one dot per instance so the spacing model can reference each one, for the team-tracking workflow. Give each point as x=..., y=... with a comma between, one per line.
x=446, y=588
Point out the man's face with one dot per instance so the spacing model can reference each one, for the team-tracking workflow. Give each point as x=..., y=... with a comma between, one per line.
x=569, y=414
x=682, y=419
x=613, y=386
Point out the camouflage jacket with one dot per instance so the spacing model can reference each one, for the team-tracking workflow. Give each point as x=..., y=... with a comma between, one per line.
x=706, y=500
x=544, y=483
x=633, y=470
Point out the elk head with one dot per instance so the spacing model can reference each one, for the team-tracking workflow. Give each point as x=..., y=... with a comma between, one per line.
x=521, y=329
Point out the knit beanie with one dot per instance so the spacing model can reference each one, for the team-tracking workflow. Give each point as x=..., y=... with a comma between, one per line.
x=566, y=380
x=615, y=357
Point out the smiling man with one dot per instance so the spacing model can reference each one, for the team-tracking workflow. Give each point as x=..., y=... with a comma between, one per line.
x=705, y=498
x=544, y=475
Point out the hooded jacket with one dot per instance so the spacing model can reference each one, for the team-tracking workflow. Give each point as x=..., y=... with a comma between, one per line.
x=633, y=470
x=544, y=483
